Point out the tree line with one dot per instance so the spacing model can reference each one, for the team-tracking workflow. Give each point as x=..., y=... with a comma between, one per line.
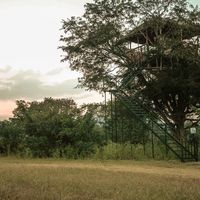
x=61, y=128
x=49, y=127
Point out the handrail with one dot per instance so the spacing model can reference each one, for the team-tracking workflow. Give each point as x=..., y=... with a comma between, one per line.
x=163, y=130
x=152, y=115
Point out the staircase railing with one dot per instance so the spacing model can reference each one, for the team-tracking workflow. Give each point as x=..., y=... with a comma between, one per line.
x=183, y=152
x=179, y=149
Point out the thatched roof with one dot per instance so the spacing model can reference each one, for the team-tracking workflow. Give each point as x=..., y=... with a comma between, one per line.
x=150, y=29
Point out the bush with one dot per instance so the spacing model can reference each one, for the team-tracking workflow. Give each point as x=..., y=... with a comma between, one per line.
x=129, y=151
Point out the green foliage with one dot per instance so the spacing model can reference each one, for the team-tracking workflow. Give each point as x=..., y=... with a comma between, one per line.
x=53, y=127
x=42, y=122
x=122, y=127
x=128, y=151
x=11, y=138
x=59, y=129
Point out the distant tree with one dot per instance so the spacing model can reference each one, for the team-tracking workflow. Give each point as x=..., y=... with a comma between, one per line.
x=96, y=45
x=43, y=122
x=55, y=124
x=11, y=138
x=121, y=127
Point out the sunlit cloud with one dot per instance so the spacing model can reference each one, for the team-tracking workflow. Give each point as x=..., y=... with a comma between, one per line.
x=55, y=71
x=29, y=85
x=5, y=69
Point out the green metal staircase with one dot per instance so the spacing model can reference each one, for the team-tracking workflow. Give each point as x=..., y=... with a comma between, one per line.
x=151, y=121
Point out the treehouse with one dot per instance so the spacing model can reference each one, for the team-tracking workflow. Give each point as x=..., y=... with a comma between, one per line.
x=151, y=43
x=152, y=50
x=152, y=30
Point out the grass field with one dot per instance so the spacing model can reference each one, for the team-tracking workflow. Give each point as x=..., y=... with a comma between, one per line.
x=67, y=179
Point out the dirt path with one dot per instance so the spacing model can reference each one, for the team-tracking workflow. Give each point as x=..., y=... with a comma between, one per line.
x=182, y=172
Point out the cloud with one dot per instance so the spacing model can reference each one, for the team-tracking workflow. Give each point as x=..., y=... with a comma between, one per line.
x=55, y=71
x=29, y=85
x=5, y=69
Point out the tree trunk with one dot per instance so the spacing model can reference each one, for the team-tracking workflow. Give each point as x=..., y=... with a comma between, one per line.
x=8, y=149
x=180, y=131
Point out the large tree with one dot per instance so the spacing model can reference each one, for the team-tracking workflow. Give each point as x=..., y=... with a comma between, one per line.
x=53, y=126
x=164, y=65
x=43, y=123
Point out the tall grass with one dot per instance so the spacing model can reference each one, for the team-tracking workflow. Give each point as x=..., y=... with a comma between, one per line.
x=90, y=180
x=113, y=151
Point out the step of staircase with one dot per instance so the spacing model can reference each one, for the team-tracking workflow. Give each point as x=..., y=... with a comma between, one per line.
x=139, y=112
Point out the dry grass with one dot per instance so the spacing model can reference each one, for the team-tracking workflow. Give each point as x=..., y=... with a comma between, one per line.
x=54, y=179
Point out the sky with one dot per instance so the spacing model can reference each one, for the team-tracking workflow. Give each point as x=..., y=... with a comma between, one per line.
x=30, y=66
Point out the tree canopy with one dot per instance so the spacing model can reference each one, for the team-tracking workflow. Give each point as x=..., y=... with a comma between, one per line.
x=51, y=126
x=156, y=43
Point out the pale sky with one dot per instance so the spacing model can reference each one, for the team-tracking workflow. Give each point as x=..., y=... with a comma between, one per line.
x=30, y=65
